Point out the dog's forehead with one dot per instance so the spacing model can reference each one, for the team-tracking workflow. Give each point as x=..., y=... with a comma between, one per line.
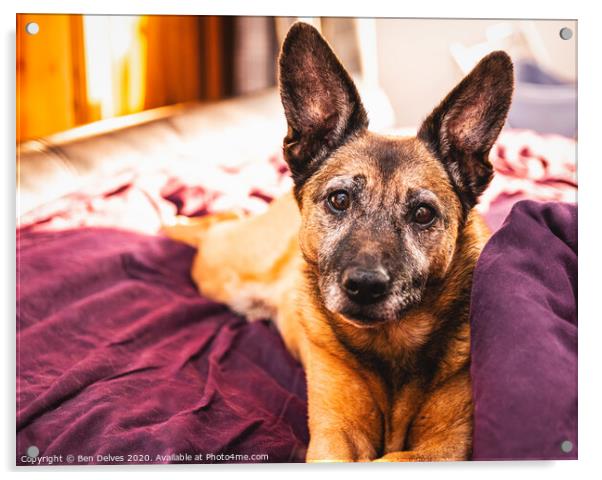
x=397, y=163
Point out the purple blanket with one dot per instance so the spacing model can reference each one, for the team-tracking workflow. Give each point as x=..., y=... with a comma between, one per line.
x=118, y=356
x=524, y=336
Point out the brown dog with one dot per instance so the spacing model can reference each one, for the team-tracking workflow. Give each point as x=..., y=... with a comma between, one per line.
x=370, y=283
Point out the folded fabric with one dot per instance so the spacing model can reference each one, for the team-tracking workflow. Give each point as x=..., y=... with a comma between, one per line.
x=118, y=356
x=524, y=336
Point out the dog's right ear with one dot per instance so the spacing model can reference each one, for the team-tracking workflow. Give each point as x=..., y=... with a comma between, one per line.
x=321, y=103
x=463, y=128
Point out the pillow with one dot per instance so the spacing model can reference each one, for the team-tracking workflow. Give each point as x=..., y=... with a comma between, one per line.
x=524, y=336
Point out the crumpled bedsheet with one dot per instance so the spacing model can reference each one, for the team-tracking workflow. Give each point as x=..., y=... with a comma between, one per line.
x=118, y=355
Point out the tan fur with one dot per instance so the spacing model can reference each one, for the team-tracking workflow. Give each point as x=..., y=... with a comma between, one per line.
x=387, y=375
x=355, y=414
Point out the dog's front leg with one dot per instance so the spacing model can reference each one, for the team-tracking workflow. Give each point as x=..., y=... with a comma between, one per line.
x=442, y=429
x=345, y=421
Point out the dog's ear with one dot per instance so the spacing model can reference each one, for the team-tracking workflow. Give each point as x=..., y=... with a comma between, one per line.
x=321, y=103
x=463, y=128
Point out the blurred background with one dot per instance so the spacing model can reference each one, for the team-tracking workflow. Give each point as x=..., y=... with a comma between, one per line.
x=80, y=69
x=106, y=101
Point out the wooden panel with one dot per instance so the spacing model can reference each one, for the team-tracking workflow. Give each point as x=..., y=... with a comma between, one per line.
x=172, y=67
x=132, y=63
x=211, y=57
x=81, y=112
x=50, y=82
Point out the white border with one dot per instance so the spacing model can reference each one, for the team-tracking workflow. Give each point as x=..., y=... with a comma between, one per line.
x=590, y=178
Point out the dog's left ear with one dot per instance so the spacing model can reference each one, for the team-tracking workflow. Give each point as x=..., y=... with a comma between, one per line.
x=463, y=128
x=321, y=103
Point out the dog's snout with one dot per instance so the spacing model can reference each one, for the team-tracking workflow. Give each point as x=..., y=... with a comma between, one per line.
x=364, y=285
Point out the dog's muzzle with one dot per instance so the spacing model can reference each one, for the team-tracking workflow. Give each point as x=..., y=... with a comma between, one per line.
x=365, y=286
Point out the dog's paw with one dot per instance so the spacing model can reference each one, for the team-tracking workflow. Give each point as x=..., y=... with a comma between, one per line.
x=416, y=456
x=395, y=457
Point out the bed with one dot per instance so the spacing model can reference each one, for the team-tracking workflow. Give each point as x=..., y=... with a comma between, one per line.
x=119, y=360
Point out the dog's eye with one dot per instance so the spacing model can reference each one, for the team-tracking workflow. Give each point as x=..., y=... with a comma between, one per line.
x=339, y=200
x=424, y=215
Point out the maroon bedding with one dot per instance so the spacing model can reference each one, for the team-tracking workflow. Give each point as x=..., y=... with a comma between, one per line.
x=118, y=358
x=524, y=336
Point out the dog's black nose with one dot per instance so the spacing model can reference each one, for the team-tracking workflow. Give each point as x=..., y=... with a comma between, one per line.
x=365, y=286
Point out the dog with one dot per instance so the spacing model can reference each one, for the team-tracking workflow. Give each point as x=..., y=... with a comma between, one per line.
x=366, y=266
